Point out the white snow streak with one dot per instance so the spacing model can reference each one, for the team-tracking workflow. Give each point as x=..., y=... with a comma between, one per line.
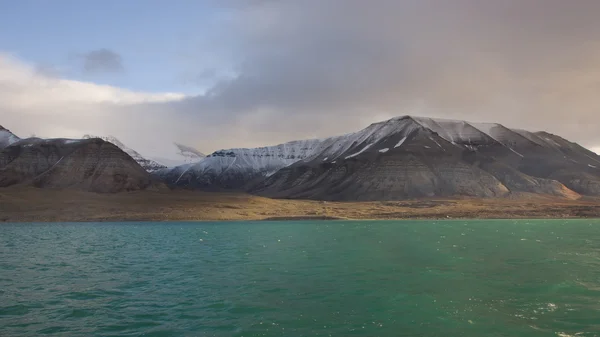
x=516, y=152
x=384, y=150
x=438, y=144
x=48, y=170
x=592, y=166
x=552, y=141
x=400, y=142
x=359, y=152
x=182, y=173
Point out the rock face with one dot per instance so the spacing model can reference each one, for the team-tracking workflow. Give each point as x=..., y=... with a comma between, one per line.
x=411, y=157
x=89, y=164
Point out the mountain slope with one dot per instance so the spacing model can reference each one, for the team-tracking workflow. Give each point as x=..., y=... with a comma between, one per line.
x=408, y=157
x=91, y=165
x=7, y=138
x=411, y=164
x=148, y=164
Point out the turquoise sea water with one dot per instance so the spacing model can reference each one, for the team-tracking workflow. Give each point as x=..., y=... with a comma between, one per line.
x=309, y=278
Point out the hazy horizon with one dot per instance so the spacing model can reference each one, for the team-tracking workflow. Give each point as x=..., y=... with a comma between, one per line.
x=223, y=74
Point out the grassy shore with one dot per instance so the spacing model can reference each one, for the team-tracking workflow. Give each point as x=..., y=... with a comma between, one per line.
x=19, y=204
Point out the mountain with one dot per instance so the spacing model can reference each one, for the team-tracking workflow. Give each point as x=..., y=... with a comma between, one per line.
x=404, y=157
x=89, y=164
x=148, y=164
x=237, y=168
x=7, y=138
x=413, y=157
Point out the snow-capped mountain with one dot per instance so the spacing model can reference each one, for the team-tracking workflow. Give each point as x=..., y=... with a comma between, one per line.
x=403, y=157
x=148, y=164
x=407, y=157
x=234, y=167
x=238, y=166
x=7, y=138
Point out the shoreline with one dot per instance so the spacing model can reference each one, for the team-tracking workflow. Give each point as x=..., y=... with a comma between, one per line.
x=290, y=219
x=26, y=205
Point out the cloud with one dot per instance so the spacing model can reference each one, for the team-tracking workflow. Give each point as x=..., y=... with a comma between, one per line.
x=102, y=61
x=326, y=66
x=33, y=102
x=298, y=69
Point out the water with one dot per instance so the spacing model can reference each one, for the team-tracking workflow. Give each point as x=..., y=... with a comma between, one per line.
x=413, y=278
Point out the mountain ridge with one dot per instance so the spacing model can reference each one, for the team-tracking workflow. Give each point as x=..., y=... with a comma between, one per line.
x=400, y=158
x=91, y=165
x=148, y=164
x=450, y=157
x=7, y=137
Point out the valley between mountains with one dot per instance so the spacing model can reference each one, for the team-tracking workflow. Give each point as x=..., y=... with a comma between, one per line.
x=405, y=167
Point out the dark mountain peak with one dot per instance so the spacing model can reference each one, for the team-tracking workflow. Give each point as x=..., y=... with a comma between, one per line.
x=87, y=164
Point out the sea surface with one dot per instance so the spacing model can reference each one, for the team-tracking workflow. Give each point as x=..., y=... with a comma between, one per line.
x=304, y=278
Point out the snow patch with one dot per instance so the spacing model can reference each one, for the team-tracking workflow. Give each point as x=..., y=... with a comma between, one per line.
x=592, y=166
x=400, y=142
x=325, y=159
x=552, y=141
x=427, y=147
x=384, y=150
x=359, y=152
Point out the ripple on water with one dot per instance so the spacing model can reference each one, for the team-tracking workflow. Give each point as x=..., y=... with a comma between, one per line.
x=301, y=279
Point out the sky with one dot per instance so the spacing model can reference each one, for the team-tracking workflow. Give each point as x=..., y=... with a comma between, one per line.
x=218, y=74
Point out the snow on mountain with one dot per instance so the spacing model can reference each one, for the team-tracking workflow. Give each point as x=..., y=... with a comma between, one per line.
x=7, y=138
x=262, y=159
x=393, y=135
x=148, y=164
